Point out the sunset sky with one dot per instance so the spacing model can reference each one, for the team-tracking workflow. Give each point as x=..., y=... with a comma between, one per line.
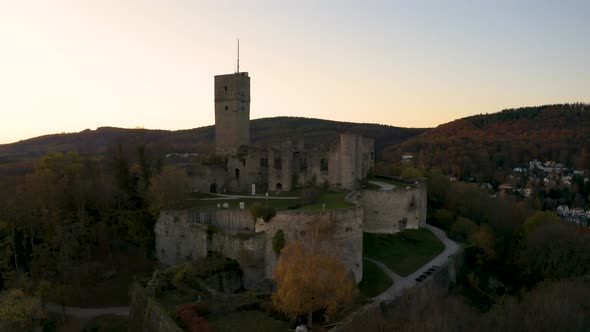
x=70, y=65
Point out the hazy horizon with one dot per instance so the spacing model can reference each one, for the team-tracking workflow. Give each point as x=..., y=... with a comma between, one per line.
x=68, y=66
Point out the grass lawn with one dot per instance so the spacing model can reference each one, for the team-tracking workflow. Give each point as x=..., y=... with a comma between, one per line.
x=197, y=195
x=248, y=321
x=279, y=204
x=403, y=252
x=333, y=200
x=375, y=281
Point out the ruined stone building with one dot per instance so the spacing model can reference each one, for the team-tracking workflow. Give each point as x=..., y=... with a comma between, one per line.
x=277, y=166
x=187, y=235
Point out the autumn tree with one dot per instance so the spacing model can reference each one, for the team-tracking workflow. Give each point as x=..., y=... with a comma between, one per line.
x=133, y=177
x=167, y=188
x=52, y=202
x=310, y=276
x=18, y=311
x=411, y=172
x=554, y=251
x=6, y=254
x=539, y=219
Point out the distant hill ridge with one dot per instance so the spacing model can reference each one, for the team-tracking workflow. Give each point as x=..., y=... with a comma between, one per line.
x=479, y=146
x=17, y=156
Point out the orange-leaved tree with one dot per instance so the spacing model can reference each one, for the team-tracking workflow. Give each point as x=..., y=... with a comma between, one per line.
x=310, y=274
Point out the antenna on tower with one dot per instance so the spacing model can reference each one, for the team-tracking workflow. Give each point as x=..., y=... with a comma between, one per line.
x=238, y=67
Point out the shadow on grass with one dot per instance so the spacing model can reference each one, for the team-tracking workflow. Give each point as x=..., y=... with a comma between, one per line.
x=404, y=252
x=375, y=281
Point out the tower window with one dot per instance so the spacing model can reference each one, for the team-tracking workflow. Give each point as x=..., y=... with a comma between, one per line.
x=324, y=165
x=226, y=107
x=242, y=108
x=225, y=88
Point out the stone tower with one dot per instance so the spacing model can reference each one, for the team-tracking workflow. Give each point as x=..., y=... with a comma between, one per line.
x=232, y=112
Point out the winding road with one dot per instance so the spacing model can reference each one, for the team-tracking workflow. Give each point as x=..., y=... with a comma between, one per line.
x=400, y=283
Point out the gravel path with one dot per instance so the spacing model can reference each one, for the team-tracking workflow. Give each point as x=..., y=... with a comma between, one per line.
x=400, y=283
x=383, y=185
x=226, y=197
x=86, y=312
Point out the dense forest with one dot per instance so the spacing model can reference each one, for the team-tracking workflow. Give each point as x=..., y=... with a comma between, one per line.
x=487, y=147
x=77, y=229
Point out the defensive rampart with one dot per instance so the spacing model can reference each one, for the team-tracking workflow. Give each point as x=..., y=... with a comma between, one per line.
x=346, y=239
x=392, y=211
x=188, y=235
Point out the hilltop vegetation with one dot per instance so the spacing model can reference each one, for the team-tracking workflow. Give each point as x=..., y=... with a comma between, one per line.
x=488, y=146
x=19, y=158
x=485, y=147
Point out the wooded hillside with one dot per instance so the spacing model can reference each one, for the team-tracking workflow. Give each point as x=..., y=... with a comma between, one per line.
x=19, y=158
x=482, y=145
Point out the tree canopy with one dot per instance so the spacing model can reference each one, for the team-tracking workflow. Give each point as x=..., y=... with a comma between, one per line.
x=309, y=277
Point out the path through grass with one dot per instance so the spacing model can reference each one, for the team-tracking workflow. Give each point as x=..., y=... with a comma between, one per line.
x=404, y=252
x=375, y=281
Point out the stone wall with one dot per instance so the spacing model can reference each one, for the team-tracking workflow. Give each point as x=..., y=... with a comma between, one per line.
x=229, y=220
x=347, y=237
x=284, y=165
x=207, y=178
x=177, y=239
x=146, y=315
x=392, y=211
x=247, y=249
x=247, y=168
x=280, y=166
x=188, y=235
x=348, y=169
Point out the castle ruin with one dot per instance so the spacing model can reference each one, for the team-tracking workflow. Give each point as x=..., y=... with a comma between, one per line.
x=276, y=166
x=242, y=167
